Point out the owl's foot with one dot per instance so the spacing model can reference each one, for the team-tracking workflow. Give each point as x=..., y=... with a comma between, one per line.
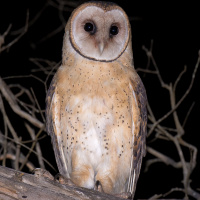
x=98, y=186
x=124, y=195
x=39, y=172
x=63, y=180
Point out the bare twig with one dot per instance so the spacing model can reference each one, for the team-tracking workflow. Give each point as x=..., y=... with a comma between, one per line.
x=2, y=37
x=10, y=156
x=167, y=160
x=31, y=22
x=188, y=113
x=170, y=89
x=171, y=134
x=31, y=150
x=38, y=105
x=38, y=149
x=179, y=78
x=3, y=48
x=11, y=100
x=26, y=147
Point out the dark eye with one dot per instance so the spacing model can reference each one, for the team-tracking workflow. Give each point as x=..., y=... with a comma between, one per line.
x=90, y=27
x=114, y=30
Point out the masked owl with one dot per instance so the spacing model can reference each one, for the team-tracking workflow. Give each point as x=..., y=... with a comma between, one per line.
x=96, y=104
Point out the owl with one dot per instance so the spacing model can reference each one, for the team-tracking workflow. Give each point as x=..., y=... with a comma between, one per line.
x=96, y=104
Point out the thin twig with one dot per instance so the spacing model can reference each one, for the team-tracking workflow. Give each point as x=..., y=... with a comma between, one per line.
x=179, y=78
x=180, y=101
x=31, y=150
x=187, y=115
x=12, y=101
x=38, y=105
x=38, y=149
x=17, y=38
x=28, y=149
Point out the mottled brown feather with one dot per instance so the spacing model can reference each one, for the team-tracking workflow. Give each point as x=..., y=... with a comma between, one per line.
x=139, y=146
x=50, y=128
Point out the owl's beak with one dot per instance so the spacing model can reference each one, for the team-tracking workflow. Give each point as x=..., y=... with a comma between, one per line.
x=101, y=47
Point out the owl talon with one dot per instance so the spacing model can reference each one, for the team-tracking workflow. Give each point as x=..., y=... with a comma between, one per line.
x=63, y=180
x=98, y=186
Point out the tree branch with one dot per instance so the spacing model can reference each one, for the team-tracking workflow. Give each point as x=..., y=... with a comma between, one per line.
x=18, y=185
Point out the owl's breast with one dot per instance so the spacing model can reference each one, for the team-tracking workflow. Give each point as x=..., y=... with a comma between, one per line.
x=95, y=115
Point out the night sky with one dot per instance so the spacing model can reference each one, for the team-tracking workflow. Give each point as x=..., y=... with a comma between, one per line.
x=175, y=32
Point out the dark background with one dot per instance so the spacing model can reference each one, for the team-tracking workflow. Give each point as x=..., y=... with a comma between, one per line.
x=176, y=35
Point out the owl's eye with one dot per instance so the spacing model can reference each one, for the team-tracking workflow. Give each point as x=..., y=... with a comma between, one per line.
x=90, y=27
x=114, y=30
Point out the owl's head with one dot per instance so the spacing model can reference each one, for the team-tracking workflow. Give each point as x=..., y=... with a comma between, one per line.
x=99, y=30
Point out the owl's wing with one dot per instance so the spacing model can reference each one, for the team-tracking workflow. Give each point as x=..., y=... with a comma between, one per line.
x=139, y=120
x=53, y=126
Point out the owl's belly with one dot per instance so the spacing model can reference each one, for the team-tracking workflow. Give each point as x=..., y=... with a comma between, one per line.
x=85, y=123
x=97, y=135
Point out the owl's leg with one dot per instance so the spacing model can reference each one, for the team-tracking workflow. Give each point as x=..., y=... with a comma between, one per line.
x=124, y=195
x=109, y=180
x=82, y=173
x=83, y=176
x=104, y=183
x=98, y=186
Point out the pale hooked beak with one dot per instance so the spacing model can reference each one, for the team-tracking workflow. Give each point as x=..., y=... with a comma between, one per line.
x=101, y=47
